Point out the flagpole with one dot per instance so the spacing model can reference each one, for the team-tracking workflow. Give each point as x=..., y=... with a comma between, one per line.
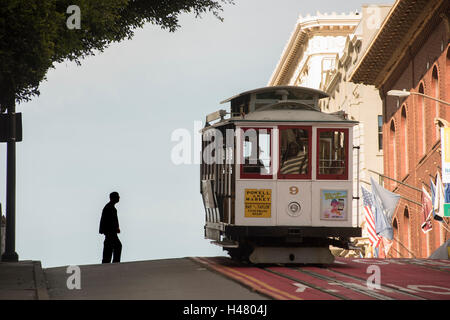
x=357, y=186
x=425, y=185
x=404, y=247
x=404, y=198
x=401, y=256
x=444, y=226
x=400, y=182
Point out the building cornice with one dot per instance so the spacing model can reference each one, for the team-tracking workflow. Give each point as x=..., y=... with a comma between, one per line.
x=321, y=24
x=401, y=27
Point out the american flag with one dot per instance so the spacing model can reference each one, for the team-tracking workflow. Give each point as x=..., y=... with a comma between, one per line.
x=369, y=217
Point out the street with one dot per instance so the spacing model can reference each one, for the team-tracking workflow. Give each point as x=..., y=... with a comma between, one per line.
x=220, y=278
x=158, y=279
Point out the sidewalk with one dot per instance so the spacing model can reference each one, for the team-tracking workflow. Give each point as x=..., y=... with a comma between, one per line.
x=23, y=280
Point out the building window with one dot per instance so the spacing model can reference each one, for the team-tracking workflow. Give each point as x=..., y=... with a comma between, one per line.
x=392, y=151
x=407, y=236
x=327, y=66
x=404, y=133
x=332, y=154
x=396, y=233
x=435, y=92
x=380, y=132
x=422, y=130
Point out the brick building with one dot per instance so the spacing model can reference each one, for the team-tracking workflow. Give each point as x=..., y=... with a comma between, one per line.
x=411, y=52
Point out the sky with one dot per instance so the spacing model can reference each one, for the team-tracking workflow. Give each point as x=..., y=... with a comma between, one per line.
x=107, y=126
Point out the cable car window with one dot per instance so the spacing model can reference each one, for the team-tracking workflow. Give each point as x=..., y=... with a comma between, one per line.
x=256, y=153
x=295, y=153
x=332, y=158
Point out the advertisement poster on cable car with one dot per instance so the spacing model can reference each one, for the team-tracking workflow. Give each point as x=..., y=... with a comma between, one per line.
x=333, y=204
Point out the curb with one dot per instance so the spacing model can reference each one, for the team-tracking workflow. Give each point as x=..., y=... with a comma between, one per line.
x=39, y=279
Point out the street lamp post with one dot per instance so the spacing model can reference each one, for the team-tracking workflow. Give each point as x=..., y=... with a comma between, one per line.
x=404, y=93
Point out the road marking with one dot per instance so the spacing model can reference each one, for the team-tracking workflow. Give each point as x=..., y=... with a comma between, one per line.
x=310, y=285
x=250, y=281
x=351, y=286
x=239, y=279
x=384, y=287
x=435, y=265
x=300, y=287
x=420, y=287
x=264, y=284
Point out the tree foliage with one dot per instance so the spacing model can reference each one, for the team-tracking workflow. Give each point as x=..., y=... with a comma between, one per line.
x=34, y=34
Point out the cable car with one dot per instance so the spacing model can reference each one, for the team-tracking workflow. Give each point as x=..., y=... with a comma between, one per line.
x=276, y=177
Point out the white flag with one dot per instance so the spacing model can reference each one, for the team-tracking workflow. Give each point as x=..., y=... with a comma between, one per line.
x=439, y=197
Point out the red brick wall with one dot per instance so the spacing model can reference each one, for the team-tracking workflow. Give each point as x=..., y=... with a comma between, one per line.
x=409, y=163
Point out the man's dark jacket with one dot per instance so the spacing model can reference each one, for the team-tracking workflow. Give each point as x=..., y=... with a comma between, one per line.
x=109, y=223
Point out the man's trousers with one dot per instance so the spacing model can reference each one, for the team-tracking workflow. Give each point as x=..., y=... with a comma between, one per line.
x=112, y=247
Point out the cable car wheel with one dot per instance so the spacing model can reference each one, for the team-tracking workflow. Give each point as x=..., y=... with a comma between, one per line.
x=240, y=254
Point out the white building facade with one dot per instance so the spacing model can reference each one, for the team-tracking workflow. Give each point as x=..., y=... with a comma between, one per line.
x=320, y=54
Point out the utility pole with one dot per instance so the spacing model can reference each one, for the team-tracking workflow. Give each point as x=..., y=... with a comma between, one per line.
x=10, y=254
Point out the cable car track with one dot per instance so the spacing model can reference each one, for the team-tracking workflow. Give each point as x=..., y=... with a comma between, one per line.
x=366, y=292
x=403, y=292
x=252, y=277
x=310, y=285
x=292, y=282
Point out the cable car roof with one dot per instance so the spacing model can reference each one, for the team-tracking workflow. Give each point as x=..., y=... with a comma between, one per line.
x=287, y=111
x=277, y=104
x=300, y=93
x=292, y=112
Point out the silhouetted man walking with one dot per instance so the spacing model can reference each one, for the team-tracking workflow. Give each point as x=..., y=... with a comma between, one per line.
x=109, y=226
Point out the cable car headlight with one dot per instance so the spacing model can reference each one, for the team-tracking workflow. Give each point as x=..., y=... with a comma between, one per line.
x=294, y=209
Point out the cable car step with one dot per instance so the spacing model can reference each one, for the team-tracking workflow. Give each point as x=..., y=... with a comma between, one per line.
x=226, y=244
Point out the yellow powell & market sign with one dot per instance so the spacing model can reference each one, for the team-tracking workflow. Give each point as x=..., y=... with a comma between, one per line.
x=258, y=203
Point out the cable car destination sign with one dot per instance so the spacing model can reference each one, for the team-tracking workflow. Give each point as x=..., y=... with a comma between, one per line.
x=258, y=203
